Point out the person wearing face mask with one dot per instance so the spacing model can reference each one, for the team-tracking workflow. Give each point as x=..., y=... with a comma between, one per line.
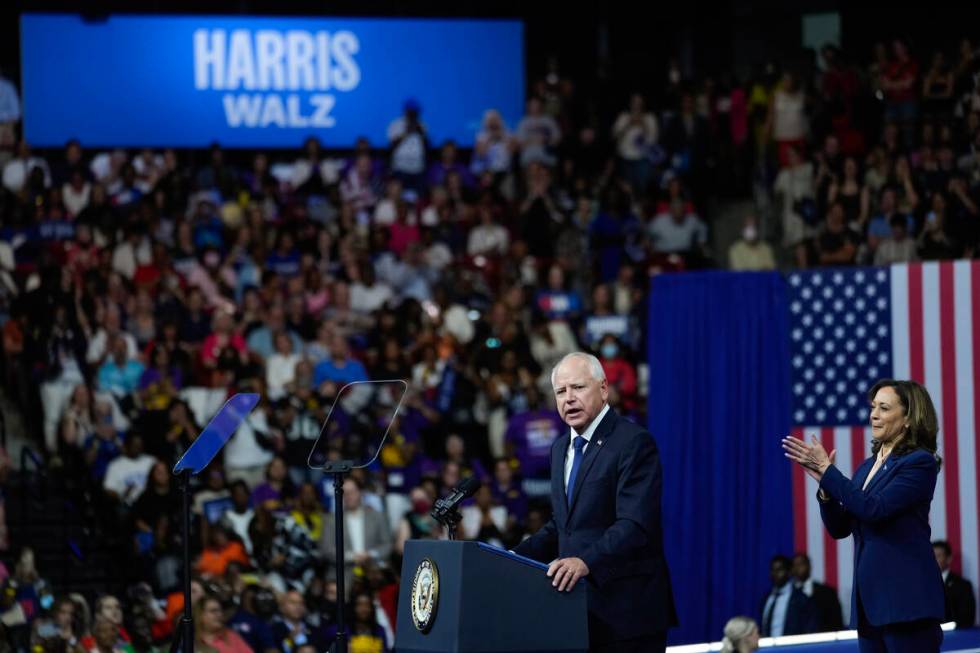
x=897, y=600
x=417, y=524
x=620, y=374
x=750, y=252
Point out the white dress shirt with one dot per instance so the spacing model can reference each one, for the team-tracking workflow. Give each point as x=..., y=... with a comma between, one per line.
x=354, y=521
x=879, y=463
x=570, y=454
x=778, y=602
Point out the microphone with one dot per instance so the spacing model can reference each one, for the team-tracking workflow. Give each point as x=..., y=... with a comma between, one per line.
x=464, y=489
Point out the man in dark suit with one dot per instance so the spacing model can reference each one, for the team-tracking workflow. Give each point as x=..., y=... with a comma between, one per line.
x=605, y=526
x=786, y=610
x=961, y=606
x=293, y=629
x=824, y=597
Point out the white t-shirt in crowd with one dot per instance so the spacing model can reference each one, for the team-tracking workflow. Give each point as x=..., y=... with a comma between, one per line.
x=488, y=239
x=893, y=251
x=633, y=140
x=385, y=212
x=669, y=236
x=789, y=119
x=16, y=171
x=302, y=170
x=102, y=165
x=148, y=171
x=243, y=450
x=791, y=185
x=438, y=256
x=127, y=476
x=457, y=323
x=280, y=370
x=367, y=299
x=536, y=135
x=497, y=155
x=538, y=130
x=98, y=343
x=472, y=518
x=430, y=216
x=409, y=155
x=127, y=257
x=239, y=524
x=73, y=200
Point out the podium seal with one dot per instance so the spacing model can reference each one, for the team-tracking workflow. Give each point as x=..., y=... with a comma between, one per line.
x=425, y=595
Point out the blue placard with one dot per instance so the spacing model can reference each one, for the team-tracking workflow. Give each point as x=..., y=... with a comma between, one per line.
x=215, y=509
x=189, y=81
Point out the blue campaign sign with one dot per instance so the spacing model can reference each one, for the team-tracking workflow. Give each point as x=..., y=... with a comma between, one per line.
x=218, y=431
x=188, y=81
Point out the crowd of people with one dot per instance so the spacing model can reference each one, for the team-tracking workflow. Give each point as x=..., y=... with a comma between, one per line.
x=139, y=289
x=874, y=165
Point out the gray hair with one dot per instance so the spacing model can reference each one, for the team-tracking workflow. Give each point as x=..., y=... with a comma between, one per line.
x=595, y=367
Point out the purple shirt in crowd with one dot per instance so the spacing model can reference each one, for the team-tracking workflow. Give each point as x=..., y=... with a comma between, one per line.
x=532, y=433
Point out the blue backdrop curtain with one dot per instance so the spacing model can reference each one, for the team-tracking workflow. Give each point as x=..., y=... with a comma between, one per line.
x=719, y=404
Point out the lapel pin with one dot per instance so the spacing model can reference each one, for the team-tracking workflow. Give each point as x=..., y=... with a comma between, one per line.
x=599, y=443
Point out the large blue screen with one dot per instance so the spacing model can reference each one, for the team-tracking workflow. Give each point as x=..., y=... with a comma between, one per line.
x=188, y=81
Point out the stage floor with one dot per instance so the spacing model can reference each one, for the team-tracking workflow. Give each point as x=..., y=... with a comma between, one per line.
x=954, y=641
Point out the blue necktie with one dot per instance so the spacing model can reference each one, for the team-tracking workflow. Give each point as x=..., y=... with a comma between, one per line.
x=579, y=443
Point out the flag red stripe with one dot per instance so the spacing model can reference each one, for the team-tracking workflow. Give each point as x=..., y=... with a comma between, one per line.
x=917, y=365
x=799, y=501
x=857, y=448
x=829, y=543
x=949, y=433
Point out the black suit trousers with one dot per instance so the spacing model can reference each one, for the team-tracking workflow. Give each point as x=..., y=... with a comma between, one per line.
x=656, y=643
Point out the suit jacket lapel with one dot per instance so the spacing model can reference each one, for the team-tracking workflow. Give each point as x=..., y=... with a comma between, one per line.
x=558, y=453
x=886, y=470
x=602, y=432
x=862, y=472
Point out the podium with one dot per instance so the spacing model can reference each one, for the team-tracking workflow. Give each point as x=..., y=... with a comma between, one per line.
x=469, y=597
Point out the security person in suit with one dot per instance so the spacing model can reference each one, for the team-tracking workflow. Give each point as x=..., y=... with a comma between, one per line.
x=606, y=516
x=824, y=597
x=897, y=601
x=786, y=610
x=961, y=606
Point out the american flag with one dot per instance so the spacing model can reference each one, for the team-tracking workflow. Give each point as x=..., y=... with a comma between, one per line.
x=851, y=327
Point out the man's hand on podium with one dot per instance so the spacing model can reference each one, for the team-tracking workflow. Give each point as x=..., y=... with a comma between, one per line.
x=565, y=572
